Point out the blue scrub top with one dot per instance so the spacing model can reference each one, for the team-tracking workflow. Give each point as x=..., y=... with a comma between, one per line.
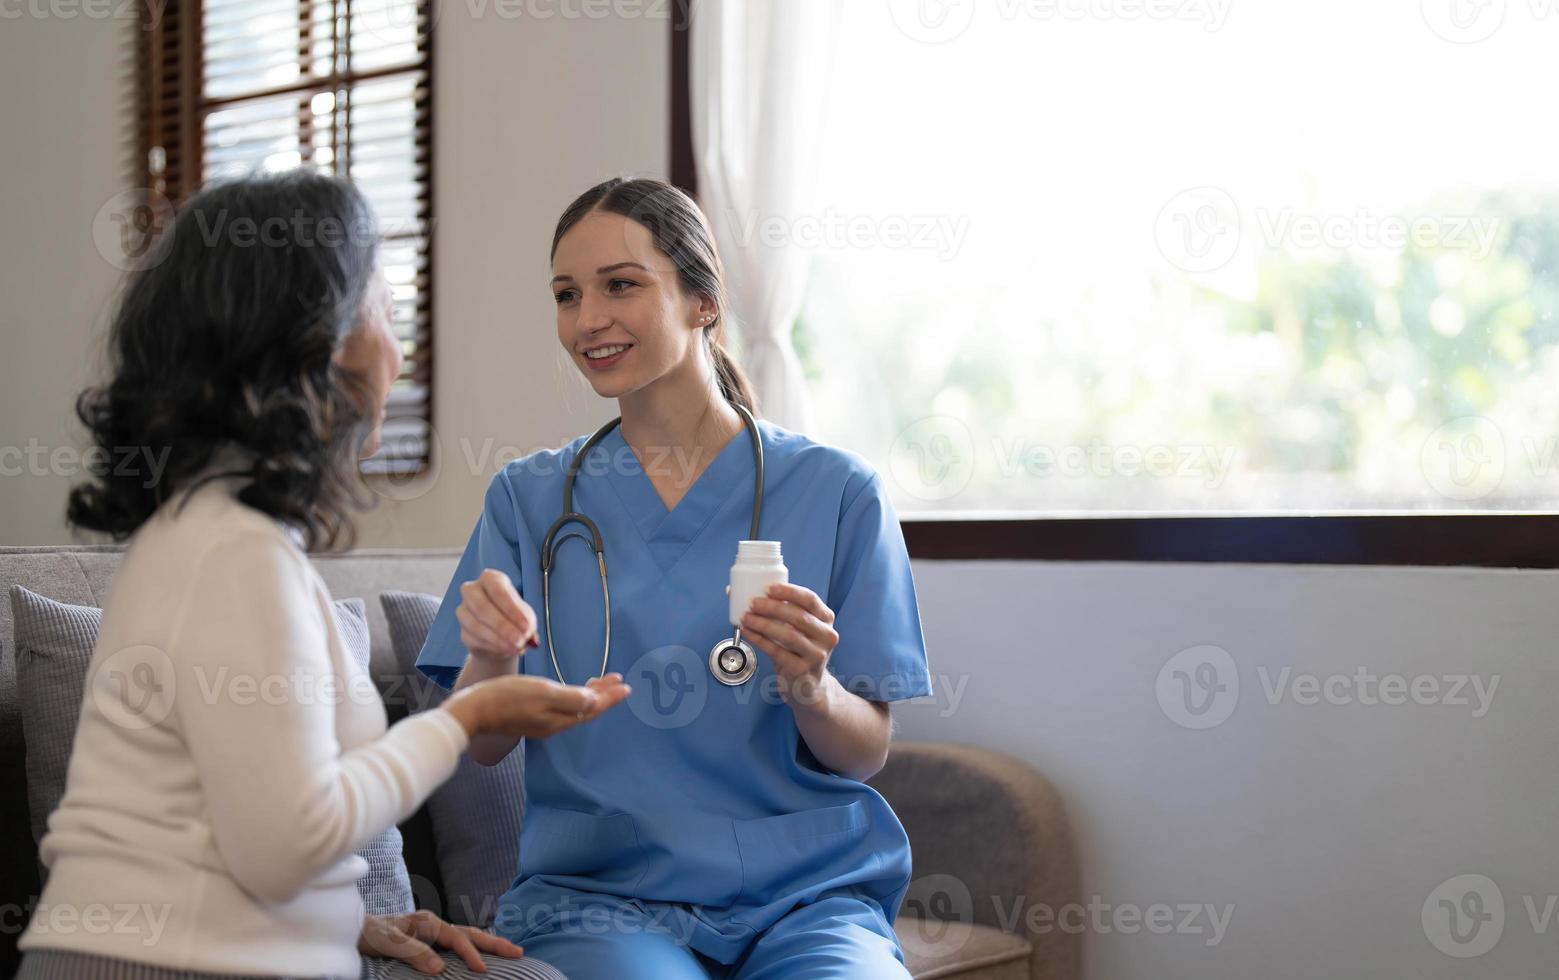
x=695, y=793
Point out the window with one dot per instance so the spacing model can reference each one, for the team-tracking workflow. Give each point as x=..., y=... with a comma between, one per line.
x=230, y=87
x=1186, y=258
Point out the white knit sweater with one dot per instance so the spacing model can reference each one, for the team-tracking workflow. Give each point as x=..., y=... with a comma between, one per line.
x=230, y=757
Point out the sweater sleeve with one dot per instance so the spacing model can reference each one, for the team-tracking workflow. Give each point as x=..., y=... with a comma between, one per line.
x=256, y=703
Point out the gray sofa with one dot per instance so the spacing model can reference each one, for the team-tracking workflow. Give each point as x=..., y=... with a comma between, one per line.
x=990, y=837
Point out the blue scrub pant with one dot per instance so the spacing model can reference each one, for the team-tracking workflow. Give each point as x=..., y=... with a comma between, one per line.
x=834, y=938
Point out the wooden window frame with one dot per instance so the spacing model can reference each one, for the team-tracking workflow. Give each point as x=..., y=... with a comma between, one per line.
x=172, y=106
x=1486, y=540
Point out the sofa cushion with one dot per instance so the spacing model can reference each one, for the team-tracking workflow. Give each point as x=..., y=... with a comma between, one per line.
x=386, y=888
x=938, y=950
x=53, y=644
x=476, y=814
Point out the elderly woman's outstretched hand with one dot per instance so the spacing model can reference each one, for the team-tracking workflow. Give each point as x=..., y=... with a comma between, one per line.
x=522, y=706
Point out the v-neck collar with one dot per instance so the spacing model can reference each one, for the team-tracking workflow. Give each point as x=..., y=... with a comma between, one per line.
x=668, y=534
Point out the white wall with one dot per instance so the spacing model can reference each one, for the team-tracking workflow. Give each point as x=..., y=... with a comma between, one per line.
x=63, y=91
x=1326, y=826
x=529, y=114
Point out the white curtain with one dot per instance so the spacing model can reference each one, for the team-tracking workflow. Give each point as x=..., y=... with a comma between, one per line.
x=759, y=73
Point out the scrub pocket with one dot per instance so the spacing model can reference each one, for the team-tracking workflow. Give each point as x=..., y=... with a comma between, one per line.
x=792, y=848
x=570, y=843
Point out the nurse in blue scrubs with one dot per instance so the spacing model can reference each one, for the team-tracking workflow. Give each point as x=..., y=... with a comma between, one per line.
x=712, y=830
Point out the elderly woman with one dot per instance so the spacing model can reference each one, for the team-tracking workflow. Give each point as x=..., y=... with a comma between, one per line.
x=261, y=365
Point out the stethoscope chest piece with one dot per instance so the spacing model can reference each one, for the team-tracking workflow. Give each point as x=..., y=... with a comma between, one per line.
x=732, y=662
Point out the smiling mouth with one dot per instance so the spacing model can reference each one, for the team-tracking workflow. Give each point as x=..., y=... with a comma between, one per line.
x=606, y=353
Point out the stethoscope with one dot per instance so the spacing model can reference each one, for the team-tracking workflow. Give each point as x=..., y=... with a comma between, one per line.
x=732, y=662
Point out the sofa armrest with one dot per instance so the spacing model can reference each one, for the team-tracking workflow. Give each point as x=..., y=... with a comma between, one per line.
x=998, y=828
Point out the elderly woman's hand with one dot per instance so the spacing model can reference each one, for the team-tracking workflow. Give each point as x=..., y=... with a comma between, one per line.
x=522, y=706
x=413, y=938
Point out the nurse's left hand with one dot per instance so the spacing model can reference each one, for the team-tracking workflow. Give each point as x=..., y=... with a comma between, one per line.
x=796, y=629
x=412, y=938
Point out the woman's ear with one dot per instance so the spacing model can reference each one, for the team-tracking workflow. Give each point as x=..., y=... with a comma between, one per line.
x=705, y=311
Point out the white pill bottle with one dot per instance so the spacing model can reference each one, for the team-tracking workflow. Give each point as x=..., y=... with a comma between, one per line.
x=758, y=566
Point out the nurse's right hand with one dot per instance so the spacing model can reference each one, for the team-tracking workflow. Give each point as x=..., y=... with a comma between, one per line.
x=495, y=623
x=523, y=706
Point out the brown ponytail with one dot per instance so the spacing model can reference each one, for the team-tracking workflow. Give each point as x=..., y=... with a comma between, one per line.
x=682, y=234
x=733, y=380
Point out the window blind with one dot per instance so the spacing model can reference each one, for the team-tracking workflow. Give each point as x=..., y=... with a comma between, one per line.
x=232, y=87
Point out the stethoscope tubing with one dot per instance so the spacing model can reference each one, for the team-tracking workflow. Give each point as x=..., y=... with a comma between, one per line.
x=552, y=541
